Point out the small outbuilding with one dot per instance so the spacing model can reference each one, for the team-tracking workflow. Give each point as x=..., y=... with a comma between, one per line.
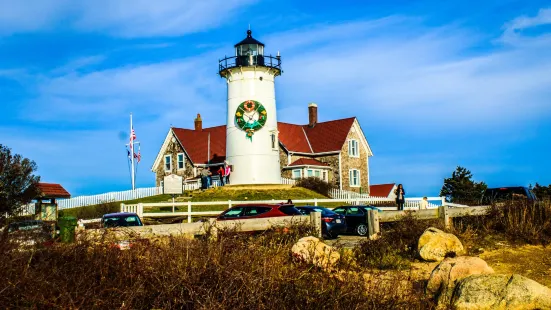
x=46, y=208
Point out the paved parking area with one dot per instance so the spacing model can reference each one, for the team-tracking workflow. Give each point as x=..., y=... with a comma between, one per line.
x=347, y=241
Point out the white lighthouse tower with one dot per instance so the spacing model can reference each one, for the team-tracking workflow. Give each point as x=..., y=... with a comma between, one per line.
x=252, y=146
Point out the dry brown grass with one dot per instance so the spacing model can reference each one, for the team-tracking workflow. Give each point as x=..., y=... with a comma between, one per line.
x=233, y=272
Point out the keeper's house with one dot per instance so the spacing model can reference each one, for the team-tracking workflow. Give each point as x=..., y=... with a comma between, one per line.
x=336, y=151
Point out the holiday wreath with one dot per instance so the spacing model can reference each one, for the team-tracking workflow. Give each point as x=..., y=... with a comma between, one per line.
x=250, y=116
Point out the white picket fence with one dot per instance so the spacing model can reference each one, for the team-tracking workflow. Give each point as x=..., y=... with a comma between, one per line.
x=410, y=203
x=82, y=201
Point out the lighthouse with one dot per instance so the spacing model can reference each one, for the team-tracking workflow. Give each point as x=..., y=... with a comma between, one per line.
x=252, y=146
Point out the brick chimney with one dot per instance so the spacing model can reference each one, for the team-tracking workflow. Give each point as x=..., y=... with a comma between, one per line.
x=198, y=123
x=312, y=114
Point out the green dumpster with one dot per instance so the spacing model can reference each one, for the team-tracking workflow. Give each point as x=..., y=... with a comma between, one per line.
x=67, y=226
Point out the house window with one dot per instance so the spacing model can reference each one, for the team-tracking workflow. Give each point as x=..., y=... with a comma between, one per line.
x=317, y=173
x=325, y=176
x=168, y=163
x=354, y=178
x=297, y=174
x=310, y=173
x=353, y=148
x=181, y=161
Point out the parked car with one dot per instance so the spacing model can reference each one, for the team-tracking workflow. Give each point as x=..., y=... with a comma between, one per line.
x=332, y=223
x=31, y=232
x=248, y=211
x=356, y=218
x=500, y=195
x=122, y=219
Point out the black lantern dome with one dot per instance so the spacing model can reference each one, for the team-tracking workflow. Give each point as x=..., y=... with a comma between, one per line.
x=249, y=52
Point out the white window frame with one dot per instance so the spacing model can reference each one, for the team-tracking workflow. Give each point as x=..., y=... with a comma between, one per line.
x=353, y=148
x=308, y=173
x=183, y=161
x=299, y=172
x=169, y=161
x=351, y=178
x=318, y=172
x=325, y=176
x=274, y=141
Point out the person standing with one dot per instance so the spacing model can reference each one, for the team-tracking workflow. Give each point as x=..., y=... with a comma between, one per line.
x=424, y=204
x=209, y=177
x=221, y=173
x=227, y=173
x=204, y=179
x=400, y=197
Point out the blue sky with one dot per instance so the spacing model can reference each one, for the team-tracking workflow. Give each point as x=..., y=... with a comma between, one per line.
x=434, y=84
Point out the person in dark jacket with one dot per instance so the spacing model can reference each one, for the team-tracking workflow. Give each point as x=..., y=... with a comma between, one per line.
x=400, y=196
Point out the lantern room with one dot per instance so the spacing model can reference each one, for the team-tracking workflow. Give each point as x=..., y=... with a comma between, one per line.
x=249, y=53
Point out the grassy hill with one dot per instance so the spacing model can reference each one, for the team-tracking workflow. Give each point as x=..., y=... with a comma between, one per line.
x=216, y=194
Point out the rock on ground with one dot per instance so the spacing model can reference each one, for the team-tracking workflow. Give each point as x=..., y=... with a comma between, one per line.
x=445, y=276
x=311, y=250
x=434, y=244
x=496, y=291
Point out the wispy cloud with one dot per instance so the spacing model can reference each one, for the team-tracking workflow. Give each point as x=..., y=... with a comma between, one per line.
x=126, y=18
x=414, y=84
x=513, y=30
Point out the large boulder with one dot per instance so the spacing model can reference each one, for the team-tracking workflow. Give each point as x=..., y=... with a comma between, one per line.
x=434, y=245
x=497, y=291
x=445, y=276
x=312, y=251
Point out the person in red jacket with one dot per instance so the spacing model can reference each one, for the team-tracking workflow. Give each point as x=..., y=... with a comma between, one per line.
x=221, y=174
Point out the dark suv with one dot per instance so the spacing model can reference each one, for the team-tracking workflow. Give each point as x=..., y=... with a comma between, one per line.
x=500, y=195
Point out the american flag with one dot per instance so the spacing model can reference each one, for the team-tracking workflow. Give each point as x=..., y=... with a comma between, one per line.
x=132, y=137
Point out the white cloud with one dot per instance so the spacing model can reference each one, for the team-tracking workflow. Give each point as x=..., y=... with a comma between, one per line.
x=127, y=18
x=431, y=77
x=513, y=30
x=393, y=73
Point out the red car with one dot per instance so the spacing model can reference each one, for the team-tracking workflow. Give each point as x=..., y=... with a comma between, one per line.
x=250, y=211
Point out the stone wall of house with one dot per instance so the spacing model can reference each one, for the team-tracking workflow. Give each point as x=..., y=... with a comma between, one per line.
x=173, y=149
x=282, y=157
x=331, y=160
x=359, y=163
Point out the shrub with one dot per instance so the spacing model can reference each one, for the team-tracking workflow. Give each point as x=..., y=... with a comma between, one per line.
x=91, y=212
x=233, y=272
x=522, y=221
x=315, y=184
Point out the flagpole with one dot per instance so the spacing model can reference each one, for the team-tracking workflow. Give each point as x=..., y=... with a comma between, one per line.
x=132, y=153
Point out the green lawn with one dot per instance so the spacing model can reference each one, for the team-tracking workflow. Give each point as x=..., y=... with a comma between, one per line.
x=216, y=194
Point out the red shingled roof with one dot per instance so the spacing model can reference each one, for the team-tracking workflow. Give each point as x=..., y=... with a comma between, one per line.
x=52, y=190
x=196, y=144
x=381, y=190
x=293, y=137
x=324, y=137
x=307, y=162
